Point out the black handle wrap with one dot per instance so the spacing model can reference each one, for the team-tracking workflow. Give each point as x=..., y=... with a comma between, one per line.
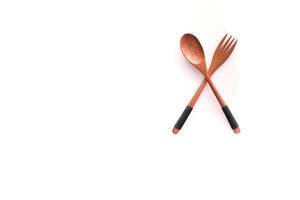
x=183, y=117
x=230, y=117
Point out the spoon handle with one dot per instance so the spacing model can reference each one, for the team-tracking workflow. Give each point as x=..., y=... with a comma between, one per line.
x=234, y=125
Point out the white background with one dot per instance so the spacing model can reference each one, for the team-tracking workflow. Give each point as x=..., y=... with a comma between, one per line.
x=90, y=91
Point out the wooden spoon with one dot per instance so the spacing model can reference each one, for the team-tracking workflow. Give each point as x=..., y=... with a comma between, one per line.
x=222, y=52
x=193, y=52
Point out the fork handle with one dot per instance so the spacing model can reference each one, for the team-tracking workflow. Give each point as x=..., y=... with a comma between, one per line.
x=234, y=125
x=180, y=122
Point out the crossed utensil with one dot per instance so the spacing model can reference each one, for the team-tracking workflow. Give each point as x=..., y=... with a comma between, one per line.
x=193, y=52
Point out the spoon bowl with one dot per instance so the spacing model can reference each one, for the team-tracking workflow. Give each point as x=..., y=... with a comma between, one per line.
x=193, y=51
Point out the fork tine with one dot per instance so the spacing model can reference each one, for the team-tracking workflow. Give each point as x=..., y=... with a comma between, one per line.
x=229, y=45
x=231, y=48
x=222, y=41
x=225, y=45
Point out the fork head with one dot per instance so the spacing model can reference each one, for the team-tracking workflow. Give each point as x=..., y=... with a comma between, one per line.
x=222, y=52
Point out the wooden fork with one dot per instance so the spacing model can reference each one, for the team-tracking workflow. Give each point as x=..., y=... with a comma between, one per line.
x=221, y=54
